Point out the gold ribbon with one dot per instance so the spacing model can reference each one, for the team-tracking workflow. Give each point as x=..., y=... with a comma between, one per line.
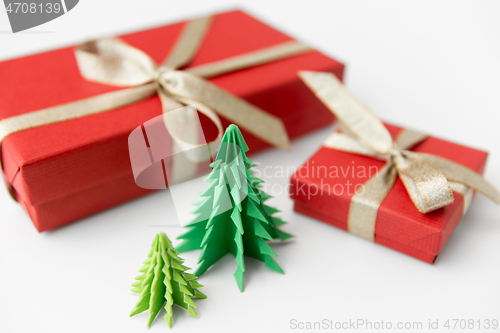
x=428, y=179
x=111, y=61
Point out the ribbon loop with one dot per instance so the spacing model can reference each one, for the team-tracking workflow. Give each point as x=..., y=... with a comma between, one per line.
x=113, y=62
x=427, y=187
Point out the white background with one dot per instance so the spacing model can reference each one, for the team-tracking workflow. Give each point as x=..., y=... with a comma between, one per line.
x=429, y=65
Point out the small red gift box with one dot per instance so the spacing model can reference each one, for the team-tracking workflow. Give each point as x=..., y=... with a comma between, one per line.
x=65, y=171
x=324, y=186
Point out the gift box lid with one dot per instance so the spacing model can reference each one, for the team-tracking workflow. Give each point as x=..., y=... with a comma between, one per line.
x=53, y=161
x=399, y=223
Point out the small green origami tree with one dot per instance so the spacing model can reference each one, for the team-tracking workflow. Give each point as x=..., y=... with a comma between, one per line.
x=163, y=282
x=232, y=217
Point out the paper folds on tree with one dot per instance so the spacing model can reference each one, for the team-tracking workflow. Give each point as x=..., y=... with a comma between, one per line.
x=232, y=217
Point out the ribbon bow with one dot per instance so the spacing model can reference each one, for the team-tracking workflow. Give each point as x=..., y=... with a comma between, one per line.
x=111, y=61
x=428, y=179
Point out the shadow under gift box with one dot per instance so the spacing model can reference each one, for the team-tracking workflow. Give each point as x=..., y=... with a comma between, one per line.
x=65, y=171
x=399, y=224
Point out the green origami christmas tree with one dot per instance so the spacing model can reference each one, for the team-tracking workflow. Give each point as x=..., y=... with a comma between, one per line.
x=232, y=217
x=163, y=282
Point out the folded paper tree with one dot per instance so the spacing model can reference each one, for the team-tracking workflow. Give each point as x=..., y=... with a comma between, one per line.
x=232, y=217
x=164, y=282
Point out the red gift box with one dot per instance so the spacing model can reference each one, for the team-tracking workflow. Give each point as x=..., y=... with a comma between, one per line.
x=65, y=171
x=323, y=187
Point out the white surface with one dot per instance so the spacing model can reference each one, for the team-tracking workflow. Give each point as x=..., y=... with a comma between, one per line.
x=429, y=65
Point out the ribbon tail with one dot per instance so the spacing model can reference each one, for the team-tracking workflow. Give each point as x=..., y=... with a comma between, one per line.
x=359, y=120
x=458, y=173
x=189, y=143
x=254, y=120
x=465, y=191
x=183, y=125
x=114, y=62
x=189, y=147
x=366, y=202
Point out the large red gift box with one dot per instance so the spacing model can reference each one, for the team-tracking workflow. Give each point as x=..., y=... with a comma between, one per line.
x=65, y=171
x=323, y=187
